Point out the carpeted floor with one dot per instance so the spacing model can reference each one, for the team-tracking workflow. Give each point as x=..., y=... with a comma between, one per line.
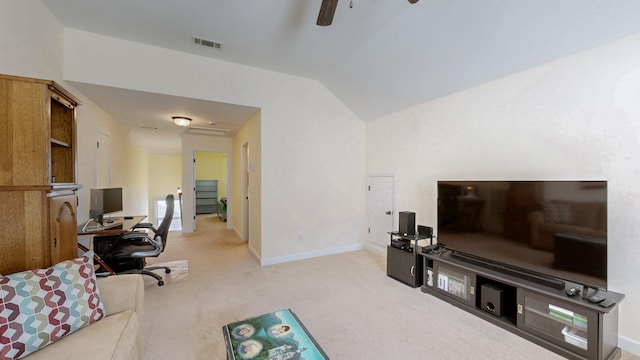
x=346, y=301
x=179, y=272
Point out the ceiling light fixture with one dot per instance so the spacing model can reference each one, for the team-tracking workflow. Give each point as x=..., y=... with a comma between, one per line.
x=181, y=120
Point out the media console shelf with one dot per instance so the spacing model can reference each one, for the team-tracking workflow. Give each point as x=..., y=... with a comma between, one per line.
x=403, y=262
x=568, y=325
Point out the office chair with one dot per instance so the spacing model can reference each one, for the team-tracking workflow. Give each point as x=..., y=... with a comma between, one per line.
x=129, y=252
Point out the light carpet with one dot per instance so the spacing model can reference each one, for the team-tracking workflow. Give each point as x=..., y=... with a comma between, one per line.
x=347, y=302
x=179, y=272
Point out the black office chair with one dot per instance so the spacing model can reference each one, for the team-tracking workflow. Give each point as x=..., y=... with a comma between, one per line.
x=129, y=252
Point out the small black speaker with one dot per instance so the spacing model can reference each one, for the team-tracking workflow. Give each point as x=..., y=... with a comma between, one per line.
x=407, y=224
x=425, y=230
x=491, y=299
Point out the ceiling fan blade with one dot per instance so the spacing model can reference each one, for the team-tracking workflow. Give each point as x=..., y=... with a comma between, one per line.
x=327, y=10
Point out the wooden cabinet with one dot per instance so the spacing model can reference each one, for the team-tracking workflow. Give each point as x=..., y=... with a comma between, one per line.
x=64, y=226
x=206, y=196
x=38, y=176
x=404, y=266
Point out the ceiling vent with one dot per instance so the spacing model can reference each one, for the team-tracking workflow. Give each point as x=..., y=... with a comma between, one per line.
x=207, y=43
x=207, y=131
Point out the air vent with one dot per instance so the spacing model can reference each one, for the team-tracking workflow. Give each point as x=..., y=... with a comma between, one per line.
x=207, y=43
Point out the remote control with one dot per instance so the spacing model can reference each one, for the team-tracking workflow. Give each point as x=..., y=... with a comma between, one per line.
x=607, y=303
x=596, y=298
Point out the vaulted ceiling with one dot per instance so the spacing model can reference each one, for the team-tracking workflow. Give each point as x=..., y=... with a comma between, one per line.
x=378, y=56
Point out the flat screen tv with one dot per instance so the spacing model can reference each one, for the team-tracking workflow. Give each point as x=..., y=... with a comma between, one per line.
x=104, y=201
x=554, y=230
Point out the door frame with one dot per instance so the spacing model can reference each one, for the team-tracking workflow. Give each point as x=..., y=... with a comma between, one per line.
x=229, y=185
x=244, y=207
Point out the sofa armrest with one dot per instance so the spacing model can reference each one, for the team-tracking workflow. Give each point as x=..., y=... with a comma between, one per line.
x=122, y=292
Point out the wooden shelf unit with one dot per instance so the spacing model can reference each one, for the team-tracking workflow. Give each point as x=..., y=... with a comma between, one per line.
x=39, y=174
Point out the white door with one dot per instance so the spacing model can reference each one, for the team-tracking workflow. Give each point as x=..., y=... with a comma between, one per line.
x=103, y=159
x=380, y=212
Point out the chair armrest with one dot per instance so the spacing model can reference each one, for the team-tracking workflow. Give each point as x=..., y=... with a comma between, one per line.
x=122, y=292
x=142, y=226
x=134, y=235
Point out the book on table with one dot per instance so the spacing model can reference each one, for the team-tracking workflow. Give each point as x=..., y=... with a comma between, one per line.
x=278, y=335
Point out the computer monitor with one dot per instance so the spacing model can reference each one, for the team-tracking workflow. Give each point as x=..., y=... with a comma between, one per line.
x=104, y=201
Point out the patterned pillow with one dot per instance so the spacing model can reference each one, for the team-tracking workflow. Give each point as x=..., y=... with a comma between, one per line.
x=38, y=307
x=558, y=212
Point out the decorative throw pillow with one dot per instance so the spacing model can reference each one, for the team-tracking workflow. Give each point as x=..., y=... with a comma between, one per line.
x=558, y=212
x=38, y=307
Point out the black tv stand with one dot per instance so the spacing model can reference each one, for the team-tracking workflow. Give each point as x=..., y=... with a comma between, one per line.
x=403, y=261
x=527, y=275
x=568, y=325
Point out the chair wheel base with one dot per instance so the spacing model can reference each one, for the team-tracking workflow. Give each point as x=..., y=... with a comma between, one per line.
x=160, y=283
x=167, y=271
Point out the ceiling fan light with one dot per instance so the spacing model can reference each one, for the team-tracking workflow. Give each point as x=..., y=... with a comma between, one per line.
x=181, y=120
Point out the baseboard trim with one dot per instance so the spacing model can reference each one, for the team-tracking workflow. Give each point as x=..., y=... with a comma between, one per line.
x=378, y=249
x=629, y=345
x=254, y=254
x=311, y=254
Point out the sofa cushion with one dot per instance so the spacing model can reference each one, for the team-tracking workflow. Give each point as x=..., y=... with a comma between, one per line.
x=112, y=338
x=39, y=307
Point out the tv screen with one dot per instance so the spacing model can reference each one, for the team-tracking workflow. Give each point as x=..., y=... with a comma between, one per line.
x=552, y=228
x=105, y=201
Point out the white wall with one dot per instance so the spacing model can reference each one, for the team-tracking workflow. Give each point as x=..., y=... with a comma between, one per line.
x=576, y=118
x=164, y=178
x=32, y=41
x=312, y=146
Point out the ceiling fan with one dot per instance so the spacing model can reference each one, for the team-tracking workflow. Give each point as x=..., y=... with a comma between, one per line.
x=328, y=9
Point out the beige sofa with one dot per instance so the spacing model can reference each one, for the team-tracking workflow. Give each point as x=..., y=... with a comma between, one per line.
x=584, y=219
x=117, y=336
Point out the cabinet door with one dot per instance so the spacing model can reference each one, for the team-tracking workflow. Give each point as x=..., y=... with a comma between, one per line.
x=24, y=228
x=401, y=265
x=456, y=283
x=64, y=228
x=24, y=135
x=567, y=325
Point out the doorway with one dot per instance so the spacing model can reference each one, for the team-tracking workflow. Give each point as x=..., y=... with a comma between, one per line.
x=211, y=185
x=380, y=209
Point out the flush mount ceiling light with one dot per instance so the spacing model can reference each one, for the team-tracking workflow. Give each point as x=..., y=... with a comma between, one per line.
x=181, y=120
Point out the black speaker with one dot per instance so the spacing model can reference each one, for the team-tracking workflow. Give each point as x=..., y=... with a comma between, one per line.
x=491, y=299
x=407, y=224
x=425, y=230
